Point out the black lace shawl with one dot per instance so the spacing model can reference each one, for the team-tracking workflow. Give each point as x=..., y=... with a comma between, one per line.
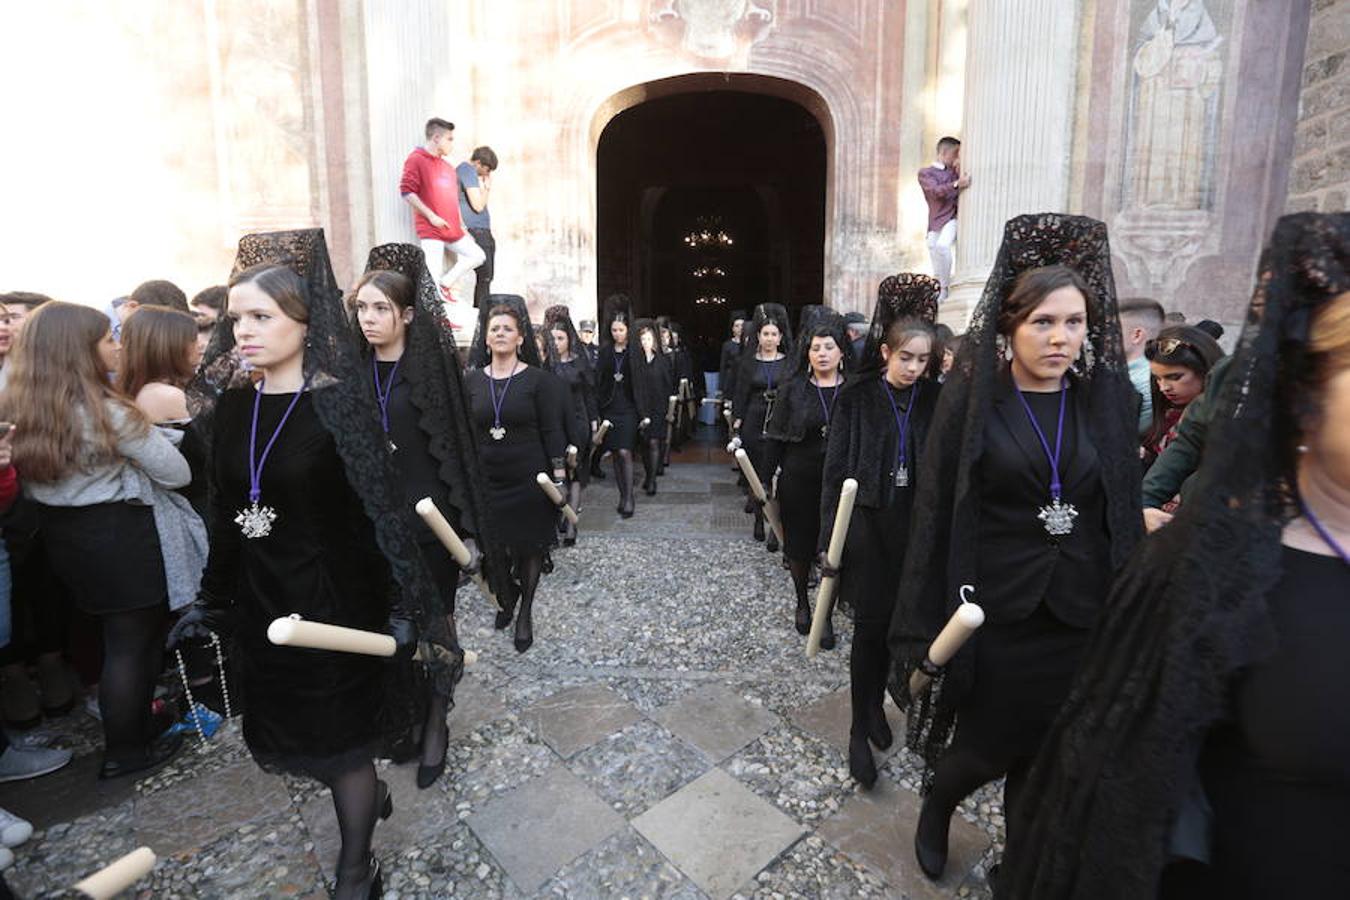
x=436, y=388
x=765, y=313
x=344, y=399
x=480, y=355
x=941, y=552
x=1188, y=613
x=798, y=397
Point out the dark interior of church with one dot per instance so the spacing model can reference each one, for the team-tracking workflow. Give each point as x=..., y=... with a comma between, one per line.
x=708, y=202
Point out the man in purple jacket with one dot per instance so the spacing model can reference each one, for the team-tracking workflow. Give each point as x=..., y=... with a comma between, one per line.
x=942, y=183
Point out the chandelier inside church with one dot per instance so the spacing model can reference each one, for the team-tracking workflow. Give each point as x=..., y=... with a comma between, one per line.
x=710, y=300
x=708, y=234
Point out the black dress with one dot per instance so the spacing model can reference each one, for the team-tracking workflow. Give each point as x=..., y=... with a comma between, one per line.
x=1278, y=777
x=753, y=408
x=864, y=444
x=533, y=405
x=419, y=472
x=799, y=448
x=309, y=712
x=1040, y=594
x=615, y=393
x=581, y=411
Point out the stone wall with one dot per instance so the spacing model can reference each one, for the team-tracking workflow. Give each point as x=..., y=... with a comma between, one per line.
x=1321, y=174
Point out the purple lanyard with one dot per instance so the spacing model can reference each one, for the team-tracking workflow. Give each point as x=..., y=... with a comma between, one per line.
x=901, y=425
x=768, y=365
x=825, y=407
x=255, y=468
x=383, y=392
x=498, y=401
x=1323, y=533
x=1056, y=486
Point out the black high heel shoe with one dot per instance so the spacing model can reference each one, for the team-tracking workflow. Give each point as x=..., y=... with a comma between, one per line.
x=771, y=541
x=827, y=639
x=930, y=842
x=861, y=765
x=803, y=620
x=879, y=730
x=504, y=616
x=374, y=882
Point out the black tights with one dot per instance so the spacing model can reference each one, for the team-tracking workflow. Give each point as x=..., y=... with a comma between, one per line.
x=960, y=773
x=868, y=666
x=131, y=662
x=801, y=574
x=527, y=570
x=356, y=801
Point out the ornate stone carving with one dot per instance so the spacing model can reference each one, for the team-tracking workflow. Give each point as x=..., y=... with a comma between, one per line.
x=712, y=29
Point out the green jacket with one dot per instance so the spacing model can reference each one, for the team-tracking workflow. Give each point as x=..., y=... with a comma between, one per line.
x=1171, y=472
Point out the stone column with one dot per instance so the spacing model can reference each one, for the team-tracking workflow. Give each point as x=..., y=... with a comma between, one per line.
x=1021, y=65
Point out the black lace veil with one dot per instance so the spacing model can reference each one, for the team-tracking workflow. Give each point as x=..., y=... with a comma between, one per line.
x=437, y=391
x=560, y=317
x=1188, y=612
x=941, y=552
x=344, y=400
x=765, y=313
x=906, y=295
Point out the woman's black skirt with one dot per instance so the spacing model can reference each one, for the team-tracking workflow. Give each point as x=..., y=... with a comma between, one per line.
x=107, y=555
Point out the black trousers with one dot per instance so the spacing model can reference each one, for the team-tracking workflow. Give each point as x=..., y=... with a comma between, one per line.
x=483, y=274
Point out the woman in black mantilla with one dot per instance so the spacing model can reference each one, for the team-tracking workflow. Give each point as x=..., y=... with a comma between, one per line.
x=1220, y=669
x=518, y=413
x=763, y=370
x=880, y=424
x=795, y=438
x=653, y=386
x=618, y=404
x=424, y=411
x=571, y=364
x=1029, y=494
x=309, y=518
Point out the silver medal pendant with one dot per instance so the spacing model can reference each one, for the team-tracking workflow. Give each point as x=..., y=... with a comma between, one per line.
x=902, y=476
x=256, y=521
x=1058, y=518
x=618, y=376
x=393, y=448
x=824, y=431
x=498, y=432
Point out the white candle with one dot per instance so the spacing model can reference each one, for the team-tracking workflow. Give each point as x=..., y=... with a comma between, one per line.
x=289, y=632
x=757, y=488
x=834, y=554
x=964, y=622
x=121, y=874
x=551, y=489
x=459, y=551
x=599, y=438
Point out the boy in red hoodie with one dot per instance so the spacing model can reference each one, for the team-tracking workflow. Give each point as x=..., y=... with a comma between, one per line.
x=431, y=187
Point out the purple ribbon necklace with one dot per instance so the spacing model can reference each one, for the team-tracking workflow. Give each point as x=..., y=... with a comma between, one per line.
x=1323, y=533
x=383, y=392
x=256, y=521
x=768, y=366
x=619, y=356
x=826, y=408
x=900, y=474
x=1058, y=516
x=498, y=430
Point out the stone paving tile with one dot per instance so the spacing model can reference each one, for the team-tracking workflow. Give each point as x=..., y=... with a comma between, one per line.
x=476, y=704
x=650, y=694
x=637, y=767
x=812, y=869
x=65, y=795
x=829, y=718
x=61, y=855
x=222, y=800
x=537, y=829
x=572, y=720
x=717, y=720
x=271, y=858
x=456, y=864
x=225, y=749
x=799, y=774
x=625, y=865
x=876, y=828
x=717, y=832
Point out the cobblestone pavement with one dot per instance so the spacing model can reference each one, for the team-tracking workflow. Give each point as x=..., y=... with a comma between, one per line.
x=665, y=737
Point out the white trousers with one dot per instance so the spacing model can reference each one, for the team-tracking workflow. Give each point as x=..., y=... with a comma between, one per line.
x=940, y=250
x=468, y=256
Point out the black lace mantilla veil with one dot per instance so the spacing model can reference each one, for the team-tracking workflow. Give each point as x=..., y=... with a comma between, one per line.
x=344, y=400
x=561, y=317
x=764, y=314
x=480, y=355
x=1187, y=614
x=799, y=399
x=942, y=544
x=906, y=295
x=437, y=391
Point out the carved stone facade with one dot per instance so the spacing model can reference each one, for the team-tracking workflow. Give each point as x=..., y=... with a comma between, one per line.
x=190, y=123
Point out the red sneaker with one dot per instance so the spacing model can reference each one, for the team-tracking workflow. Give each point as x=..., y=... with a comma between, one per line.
x=446, y=295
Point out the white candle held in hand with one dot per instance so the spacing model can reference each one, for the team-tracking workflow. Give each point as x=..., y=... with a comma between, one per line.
x=458, y=550
x=112, y=880
x=834, y=554
x=548, y=487
x=967, y=618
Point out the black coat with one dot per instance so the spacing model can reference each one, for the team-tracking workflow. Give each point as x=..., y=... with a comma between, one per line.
x=1019, y=565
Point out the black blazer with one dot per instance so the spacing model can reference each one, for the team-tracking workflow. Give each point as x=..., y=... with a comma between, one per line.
x=1018, y=564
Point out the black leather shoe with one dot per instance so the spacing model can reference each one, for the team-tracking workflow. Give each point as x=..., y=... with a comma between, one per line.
x=930, y=842
x=879, y=730
x=771, y=542
x=160, y=751
x=861, y=765
x=803, y=620
x=827, y=639
x=427, y=775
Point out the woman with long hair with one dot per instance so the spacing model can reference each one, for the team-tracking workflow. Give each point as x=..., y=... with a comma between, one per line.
x=310, y=520
x=518, y=418
x=97, y=469
x=1211, y=719
x=654, y=383
x=1030, y=495
x=764, y=367
x=1180, y=360
x=573, y=366
x=880, y=422
x=424, y=412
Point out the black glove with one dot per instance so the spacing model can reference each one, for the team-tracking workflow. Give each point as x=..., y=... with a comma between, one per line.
x=198, y=622
x=404, y=631
x=826, y=570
